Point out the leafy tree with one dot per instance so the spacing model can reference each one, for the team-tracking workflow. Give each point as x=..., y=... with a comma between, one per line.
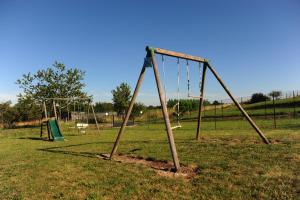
x=275, y=94
x=137, y=109
x=216, y=102
x=27, y=109
x=103, y=107
x=121, y=97
x=55, y=81
x=258, y=97
x=186, y=105
x=8, y=115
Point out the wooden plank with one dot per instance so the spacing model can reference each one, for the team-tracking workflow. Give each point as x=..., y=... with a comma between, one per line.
x=165, y=114
x=178, y=55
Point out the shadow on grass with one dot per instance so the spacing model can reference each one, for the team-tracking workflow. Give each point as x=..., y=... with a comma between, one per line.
x=73, y=153
x=60, y=149
x=33, y=138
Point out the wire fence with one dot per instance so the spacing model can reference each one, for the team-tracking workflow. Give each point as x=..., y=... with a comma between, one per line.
x=271, y=112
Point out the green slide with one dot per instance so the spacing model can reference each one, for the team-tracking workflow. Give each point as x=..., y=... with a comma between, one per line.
x=55, y=130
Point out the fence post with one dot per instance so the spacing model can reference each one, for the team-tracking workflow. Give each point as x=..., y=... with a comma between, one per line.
x=274, y=112
x=265, y=108
x=294, y=104
x=215, y=116
x=222, y=109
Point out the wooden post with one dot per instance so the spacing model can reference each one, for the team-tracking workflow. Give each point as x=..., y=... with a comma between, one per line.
x=41, y=134
x=260, y=133
x=201, y=100
x=88, y=113
x=68, y=112
x=165, y=113
x=92, y=107
x=48, y=130
x=45, y=110
x=73, y=117
x=54, y=109
x=46, y=117
x=121, y=131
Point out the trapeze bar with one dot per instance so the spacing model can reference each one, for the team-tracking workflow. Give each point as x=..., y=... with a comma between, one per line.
x=195, y=97
x=175, y=54
x=73, y=98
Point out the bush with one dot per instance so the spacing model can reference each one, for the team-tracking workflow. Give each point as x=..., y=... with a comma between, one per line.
x=9, y=117
x=275, y=94
x=258, y=97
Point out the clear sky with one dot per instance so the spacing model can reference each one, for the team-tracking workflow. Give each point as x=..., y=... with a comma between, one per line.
x=254, y=45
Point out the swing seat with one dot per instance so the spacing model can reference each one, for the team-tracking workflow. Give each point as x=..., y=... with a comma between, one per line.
x=175, y=127
x=81, y=127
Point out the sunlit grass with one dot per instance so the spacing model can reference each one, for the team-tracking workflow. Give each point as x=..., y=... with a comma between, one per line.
x=233, y=162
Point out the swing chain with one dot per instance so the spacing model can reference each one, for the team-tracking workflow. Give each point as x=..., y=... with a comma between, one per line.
x=164, y=77
x=178, y=88
x=200, y=76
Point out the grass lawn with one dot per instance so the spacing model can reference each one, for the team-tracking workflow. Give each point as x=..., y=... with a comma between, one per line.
x=234, y=163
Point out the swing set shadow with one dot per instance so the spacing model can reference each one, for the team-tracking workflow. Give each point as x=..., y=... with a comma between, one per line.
x=150, y=62
x=62, y=149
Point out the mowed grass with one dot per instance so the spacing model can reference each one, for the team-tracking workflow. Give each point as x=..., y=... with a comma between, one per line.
x=234, y=163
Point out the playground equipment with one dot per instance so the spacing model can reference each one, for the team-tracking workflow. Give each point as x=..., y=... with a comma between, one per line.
x=150, y=62
x=176, y=107
x=53, y=127
x=55, y=132
x=81, y=116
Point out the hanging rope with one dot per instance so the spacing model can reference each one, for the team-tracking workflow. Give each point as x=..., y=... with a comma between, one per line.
x=188, y=77
x=164, y=77
x=178, y=90
x=200, y=76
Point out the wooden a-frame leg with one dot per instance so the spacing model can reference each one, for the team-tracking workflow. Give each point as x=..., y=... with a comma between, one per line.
x=201, y=100
x=260, y=133
x=165, y=114
x=95, y=118
x=121, y=131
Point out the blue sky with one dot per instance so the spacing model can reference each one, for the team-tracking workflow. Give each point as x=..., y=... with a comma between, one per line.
x=254, y=45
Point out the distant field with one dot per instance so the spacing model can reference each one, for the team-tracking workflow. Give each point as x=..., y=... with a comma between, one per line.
x=282, y=106
x=233, y=163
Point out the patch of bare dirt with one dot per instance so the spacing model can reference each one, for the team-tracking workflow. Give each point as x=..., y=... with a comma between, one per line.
x=162, y=168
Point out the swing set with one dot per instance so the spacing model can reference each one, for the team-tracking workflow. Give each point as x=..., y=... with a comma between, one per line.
x=176, y=107
x=53, y=125
x=150, y=62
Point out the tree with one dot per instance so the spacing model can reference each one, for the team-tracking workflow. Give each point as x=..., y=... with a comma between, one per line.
x=138, y=109
x=216, y=102
x=55, y=81
x=8, y=115
x=275, y=94
x=258, y=97
x=121, y=97
x=27, y=109
x=103, y=107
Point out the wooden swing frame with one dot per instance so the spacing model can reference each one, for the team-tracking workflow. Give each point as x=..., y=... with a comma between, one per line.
x=54, y=100
x=150, y=61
